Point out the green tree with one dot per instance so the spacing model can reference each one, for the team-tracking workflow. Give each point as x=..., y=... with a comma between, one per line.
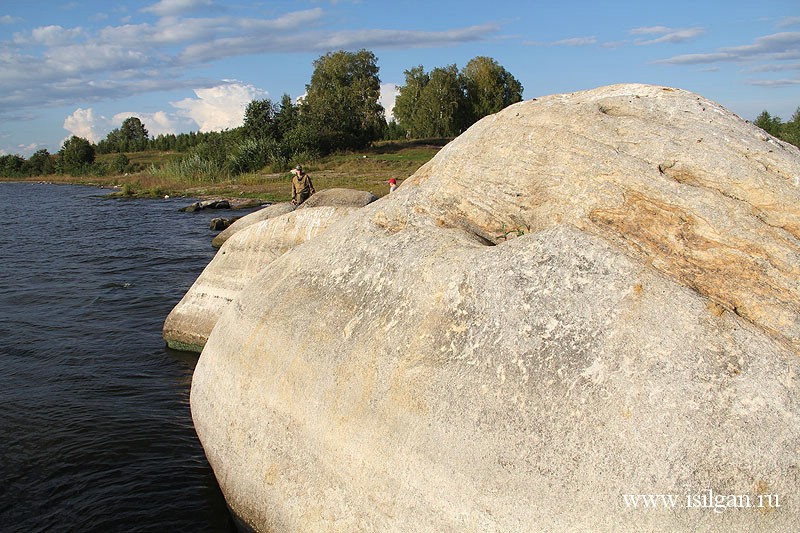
x=790, y=131
x=260, y=120
x=445, y=102
x=76, y=154
x=342, y=100
x=287, y=117
x=406, y=105
x=489, y=87
x=120, y=163
x=443, y=99
x=40, y=163
x=394, y=131
x=134, y=134
x=770, y=124
x=11, y=165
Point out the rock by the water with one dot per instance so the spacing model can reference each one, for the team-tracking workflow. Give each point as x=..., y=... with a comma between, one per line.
x=326, y=197
x=583, y=298
x=339, y=198
x=266, y=213
x=221, y=223
x=206, y=204
x=239, y=259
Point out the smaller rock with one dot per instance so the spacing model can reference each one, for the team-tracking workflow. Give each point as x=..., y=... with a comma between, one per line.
x=220, y=223
x=206, y=204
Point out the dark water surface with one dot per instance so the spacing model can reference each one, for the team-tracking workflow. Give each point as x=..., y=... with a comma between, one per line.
x=95, y=428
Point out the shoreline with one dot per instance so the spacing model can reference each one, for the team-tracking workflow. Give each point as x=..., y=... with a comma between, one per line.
x=115, y=192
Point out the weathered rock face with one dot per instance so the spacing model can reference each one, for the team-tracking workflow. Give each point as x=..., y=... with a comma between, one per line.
x=324, y=198
x=240, y=258
x=583, y=297
x=339, y=198
x=266, y=213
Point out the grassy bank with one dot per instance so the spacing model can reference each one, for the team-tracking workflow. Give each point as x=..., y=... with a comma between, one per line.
x=368, y=170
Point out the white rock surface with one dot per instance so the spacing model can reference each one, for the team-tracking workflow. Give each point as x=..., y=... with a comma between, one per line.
x=583, y=297
x=266, y=213
x=239, y=259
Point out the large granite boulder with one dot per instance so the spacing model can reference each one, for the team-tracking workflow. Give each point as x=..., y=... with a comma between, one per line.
x=584, y=298
x=239, y=259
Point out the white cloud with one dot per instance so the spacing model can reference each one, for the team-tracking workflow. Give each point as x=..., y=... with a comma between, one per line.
x=576, y=41
x=777, y=47
x=83, y=123
x=666, y=35
x=56, y=35
x=171, y=8
x=788, y=22
x=775, y=83
x=214, y=109
x=260, y=37
x=8, y=19
x=775, y=68
x=572, y=41
x=221, y=107
x=158, y=123
x=389, y=92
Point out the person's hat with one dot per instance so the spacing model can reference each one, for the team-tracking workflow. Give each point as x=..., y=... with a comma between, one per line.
x=298, y=167
x=392, y=180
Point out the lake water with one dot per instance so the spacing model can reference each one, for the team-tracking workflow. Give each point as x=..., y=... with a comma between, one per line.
x=95, y=428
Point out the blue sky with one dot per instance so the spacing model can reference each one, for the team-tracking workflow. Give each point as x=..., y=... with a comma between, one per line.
x=82, y=67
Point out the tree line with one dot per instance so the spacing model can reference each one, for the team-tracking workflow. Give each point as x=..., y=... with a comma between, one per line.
x=785, y=131
x=340, y=112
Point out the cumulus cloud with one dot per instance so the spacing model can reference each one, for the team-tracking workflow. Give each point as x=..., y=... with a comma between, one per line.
x=221, y=107
x=665, y=34
x=84, y=123
x=213, y=109
x=158, y=123
x=389, y=92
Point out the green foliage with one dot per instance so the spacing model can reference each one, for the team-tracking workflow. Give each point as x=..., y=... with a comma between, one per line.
x=193, y=168
x=120, y=163
x=12, y=165
x=489, y=87
x=128, y=190
x=341, y=104
x=445, y=101
x=768, y=123
x=260, y=120
x=76, y=154
x=252, y=154
x=287, y=118
x=132, y=136
x=786, y=131
x=394, y=131
x=432, y=105
x=40, y=164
